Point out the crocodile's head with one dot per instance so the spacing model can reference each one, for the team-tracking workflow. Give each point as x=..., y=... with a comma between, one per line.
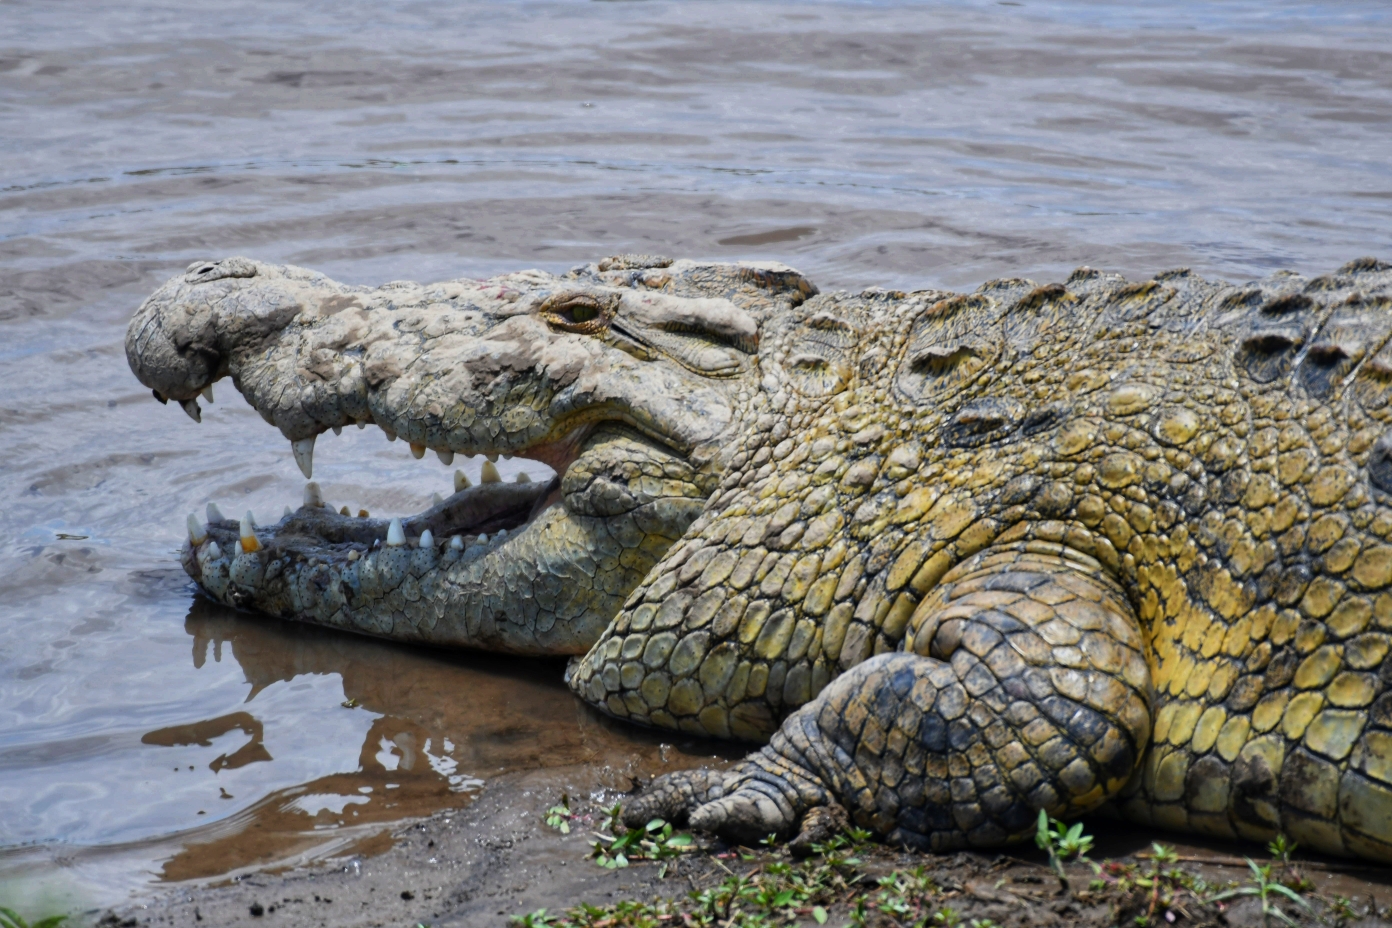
x=627, y=378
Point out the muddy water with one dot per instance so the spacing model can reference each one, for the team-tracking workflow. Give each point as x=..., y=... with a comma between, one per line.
x=145, y=734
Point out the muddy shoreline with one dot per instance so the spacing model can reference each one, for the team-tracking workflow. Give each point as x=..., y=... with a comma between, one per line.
x=496, y=859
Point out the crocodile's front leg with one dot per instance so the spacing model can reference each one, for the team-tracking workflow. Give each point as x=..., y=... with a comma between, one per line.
x=1024, y=687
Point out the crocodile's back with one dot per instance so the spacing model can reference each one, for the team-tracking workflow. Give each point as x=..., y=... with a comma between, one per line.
x=1247, y=498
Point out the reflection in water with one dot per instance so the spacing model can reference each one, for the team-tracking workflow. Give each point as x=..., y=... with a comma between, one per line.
x=203, y=733
x=446, y=722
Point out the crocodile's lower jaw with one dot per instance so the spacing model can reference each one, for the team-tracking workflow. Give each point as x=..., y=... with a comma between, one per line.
x=505, y=566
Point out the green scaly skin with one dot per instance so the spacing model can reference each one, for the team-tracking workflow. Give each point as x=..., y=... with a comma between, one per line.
x=966, y=557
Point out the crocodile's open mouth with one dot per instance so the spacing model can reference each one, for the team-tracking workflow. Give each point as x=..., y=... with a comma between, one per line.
x=528, y=552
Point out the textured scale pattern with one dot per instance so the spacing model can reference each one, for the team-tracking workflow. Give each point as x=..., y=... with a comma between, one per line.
x=1044, y=547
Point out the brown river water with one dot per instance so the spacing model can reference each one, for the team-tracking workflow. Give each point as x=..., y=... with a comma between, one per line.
x=147, y=735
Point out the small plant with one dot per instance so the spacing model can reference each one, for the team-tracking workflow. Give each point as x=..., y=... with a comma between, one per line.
x=9, y=918
x=654, y=841
x=537, y=919
x=1263, y=886
x=559, y=816
x=1061, y=842
x=947, y=917
x=1282, y=848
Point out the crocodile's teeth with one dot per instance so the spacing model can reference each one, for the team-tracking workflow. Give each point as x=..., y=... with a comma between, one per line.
x=502, y=533
x=198, y=532
x=191, y=407
x=523, y=477
x=417, y=451
x=456, y=543
x=489, y=473
x=461, y=481
x=427, y=540
x=483, y=539
x=248, y=534
x=391, y=436
x=436, y=499
x=362, y=513
x=288, y=513
x=304, y=455
x=354, y=555
x=338, y=429
x=214, y=551
x=396, y=536
x=492, y=457
x=446, y=457
x=313, y=498
x=362, y=425
x=207, y=393
x=343, y=511
x=214, y=513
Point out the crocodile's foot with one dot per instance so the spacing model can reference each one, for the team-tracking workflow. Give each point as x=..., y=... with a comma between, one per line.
x=626, y=378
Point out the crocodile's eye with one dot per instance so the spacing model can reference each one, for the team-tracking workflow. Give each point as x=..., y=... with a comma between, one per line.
x=586, y=313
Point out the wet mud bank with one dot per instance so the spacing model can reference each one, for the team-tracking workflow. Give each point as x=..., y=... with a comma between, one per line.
x=497, y=860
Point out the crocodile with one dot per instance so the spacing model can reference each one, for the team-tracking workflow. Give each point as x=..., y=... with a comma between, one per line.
x=955, y=559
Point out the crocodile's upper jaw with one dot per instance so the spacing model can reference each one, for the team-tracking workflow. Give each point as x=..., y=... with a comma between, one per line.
x=625, y=381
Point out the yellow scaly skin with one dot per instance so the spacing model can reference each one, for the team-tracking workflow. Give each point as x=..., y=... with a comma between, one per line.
x=1043, y=548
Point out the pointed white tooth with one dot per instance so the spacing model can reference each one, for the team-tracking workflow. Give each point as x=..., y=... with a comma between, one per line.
x=396, y=536
x=213, y=550
x=237, y=547
x=502, y=533
x=354, y=555
x=417, y=451
x=198, y=532
x=207, y=393
x=461, y=481
x=446, y=457
x=362, y=425
x=483, y=539
x=523, y=477
x=427, y=540
x=436, y=499
x=338, y=430
x=287, y=513
x=313, y=498
x=214, y=513
x=249, y=542
x=456, y=543
x=507, y=457
x=391, y=436
x=304, y=455
x=492, y=457
x=191, y=407
x=489, y=473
